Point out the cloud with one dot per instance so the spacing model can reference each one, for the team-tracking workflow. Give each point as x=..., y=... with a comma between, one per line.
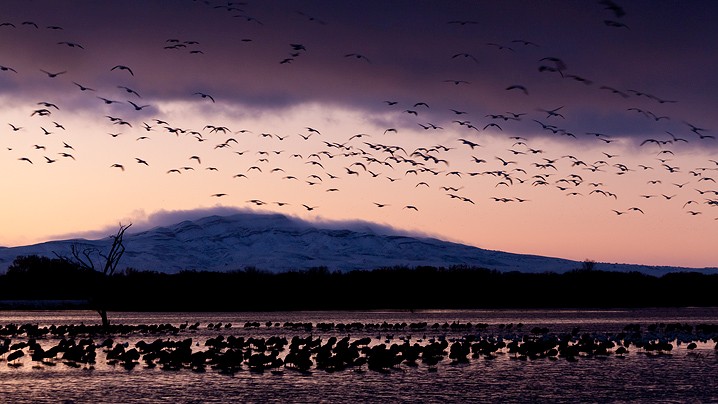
x=141, y=221
x=407, y=61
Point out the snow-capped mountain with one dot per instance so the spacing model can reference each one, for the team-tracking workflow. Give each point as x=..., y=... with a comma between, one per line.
x=275, y=242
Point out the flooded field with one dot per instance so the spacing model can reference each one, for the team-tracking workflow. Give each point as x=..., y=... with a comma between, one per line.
x=430, y=356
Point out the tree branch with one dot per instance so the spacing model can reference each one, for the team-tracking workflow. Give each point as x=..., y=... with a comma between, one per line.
x=116, y=251
x=84, y=263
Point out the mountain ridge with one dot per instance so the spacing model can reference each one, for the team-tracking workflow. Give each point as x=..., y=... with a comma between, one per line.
x=275, y=242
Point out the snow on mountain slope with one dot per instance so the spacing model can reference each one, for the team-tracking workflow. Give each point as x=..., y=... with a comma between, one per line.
x=277, y=243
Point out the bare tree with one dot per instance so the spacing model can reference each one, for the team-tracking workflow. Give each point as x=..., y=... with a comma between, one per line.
x=83, y=257
x=588, y=265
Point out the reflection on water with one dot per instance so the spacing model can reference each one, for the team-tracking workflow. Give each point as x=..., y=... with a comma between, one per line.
x=683, y=375
x=556, y=319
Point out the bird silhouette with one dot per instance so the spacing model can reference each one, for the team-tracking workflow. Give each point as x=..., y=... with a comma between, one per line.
x=129, y=90
x=457, y=82
x=469, y=143
x=357, y=56
x=518, y=87
x=53, y=75
x=505, y=162
x=138, y=107
x=108, y=101
x=121, y=67
x=466, y=56
x=71, y=44
x=553, y=112
x=203, y=95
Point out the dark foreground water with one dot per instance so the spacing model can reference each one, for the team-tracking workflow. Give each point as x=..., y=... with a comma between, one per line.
x=681, y=375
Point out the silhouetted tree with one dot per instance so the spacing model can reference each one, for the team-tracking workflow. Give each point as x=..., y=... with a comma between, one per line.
x=106, y=267
x=588, y=265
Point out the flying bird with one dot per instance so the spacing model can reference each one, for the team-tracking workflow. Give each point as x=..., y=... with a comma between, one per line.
x=525, y=42
x=469, y=143
x=53, y=75
x=138, y=107
x=203, y=95
x=41, y=112
x=107, y=101
x=553, y=112
x=466, y=55
x=82, y=88
x=357, y=56
x=129, y=90
x=457, y=82
x=71, y=44
x=518, y=87
x=121, y=67
x=504, y=162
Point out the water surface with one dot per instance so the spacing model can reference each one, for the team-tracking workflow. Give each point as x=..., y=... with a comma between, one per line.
x=681, y=376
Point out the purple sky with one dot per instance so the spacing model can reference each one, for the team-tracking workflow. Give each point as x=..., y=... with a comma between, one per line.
x=631, y=75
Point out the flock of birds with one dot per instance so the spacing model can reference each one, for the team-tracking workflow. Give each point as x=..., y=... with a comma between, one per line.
x=518, y=165
x=330, y=351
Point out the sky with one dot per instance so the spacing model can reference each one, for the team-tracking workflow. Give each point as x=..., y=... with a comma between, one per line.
x=580, y=130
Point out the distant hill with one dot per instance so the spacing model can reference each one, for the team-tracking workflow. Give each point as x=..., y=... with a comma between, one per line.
x=275, y=242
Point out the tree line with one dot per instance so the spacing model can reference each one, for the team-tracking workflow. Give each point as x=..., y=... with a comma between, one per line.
x=454, y=287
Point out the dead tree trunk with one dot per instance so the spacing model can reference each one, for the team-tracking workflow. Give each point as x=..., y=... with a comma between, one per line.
x=106, y=268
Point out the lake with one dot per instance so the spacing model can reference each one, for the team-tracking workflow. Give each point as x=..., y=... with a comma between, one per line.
x=678, y=375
